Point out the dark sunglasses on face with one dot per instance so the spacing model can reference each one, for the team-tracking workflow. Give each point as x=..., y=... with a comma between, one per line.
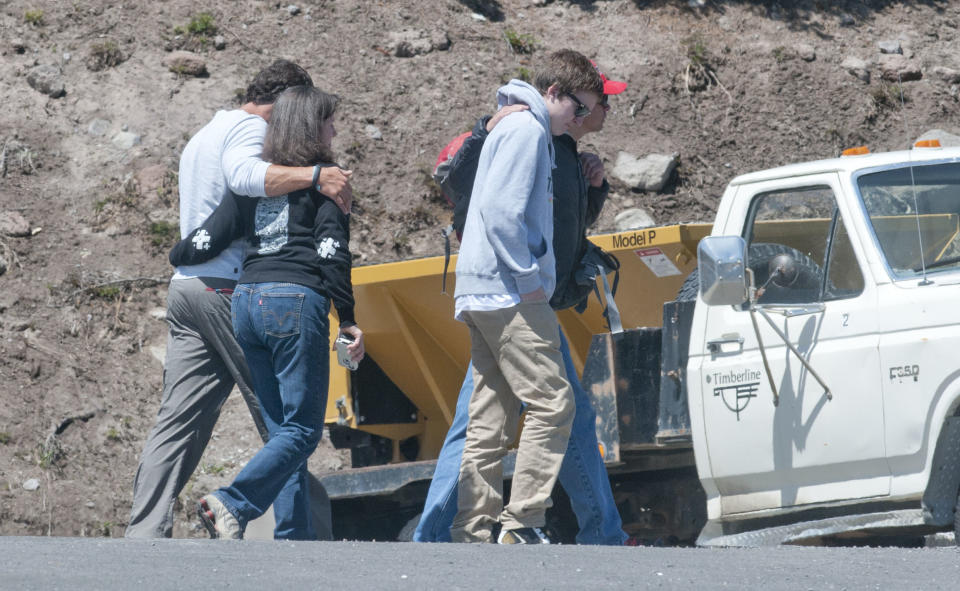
x=582, y=109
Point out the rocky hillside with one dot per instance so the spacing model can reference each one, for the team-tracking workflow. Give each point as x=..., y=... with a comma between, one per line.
x=99, y=99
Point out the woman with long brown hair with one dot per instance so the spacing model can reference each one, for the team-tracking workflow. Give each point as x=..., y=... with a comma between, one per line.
x=296, y=261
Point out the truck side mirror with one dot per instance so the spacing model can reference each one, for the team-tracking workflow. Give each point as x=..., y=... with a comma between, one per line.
x=721, y=261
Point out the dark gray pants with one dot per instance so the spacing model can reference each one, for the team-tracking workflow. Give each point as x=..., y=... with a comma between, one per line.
x=202, y=364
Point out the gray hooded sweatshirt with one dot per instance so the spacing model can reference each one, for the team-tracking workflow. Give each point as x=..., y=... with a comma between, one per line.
x=507, y=245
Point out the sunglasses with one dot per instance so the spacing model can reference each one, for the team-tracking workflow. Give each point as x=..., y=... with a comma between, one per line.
x=582, y=109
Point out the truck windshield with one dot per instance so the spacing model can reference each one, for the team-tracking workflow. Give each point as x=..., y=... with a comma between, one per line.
x=915, y=214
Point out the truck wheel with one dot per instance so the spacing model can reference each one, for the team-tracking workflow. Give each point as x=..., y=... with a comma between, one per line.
x=805, y=287
x=690, y=288
x=956, y=522
x=407, y=531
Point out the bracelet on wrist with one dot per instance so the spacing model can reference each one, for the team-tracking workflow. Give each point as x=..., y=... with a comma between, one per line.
x=316, y=175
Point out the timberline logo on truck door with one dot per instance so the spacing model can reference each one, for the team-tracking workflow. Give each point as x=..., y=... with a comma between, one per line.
x=735, y=388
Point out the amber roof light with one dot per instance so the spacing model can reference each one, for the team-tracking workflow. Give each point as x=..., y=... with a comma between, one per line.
x=857, y=151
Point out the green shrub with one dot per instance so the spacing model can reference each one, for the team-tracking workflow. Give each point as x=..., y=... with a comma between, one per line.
x=163, y=233
x=202, y=24
x=103, y=55
x=33, y=17
x=520, y=42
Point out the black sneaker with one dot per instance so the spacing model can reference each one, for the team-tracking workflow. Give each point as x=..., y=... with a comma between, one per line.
x=523, y=535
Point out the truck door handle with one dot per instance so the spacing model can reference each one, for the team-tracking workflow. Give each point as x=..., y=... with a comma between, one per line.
x=716, y=345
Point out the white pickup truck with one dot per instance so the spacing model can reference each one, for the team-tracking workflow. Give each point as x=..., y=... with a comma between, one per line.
x=823, y=377
x=803, y=388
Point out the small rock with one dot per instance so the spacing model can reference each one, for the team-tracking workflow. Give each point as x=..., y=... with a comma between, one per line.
x=947, y=139
x=847, y=20
x=48, y=80
x=158, y=313
x=475, y=16
x=125, y=140
x=18, y=46
x=632, y=219
x=890, y=47
x=13, y=224
x=898, y=68
x=219, y=42
x=373, y=132
x=31, y=484
x=293, y=10
x=185, y=63
x=98, y=127
x=948, y=75
x=806, y=52
x=90, y=504
x=857, y=67
x=409, y=43
x=649, y=173
x=3, y=266
x=66, y=57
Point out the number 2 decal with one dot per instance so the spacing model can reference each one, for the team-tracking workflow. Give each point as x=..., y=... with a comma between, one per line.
x=844, y=319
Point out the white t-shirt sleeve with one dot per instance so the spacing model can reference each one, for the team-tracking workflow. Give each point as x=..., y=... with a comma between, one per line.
x=245, y=172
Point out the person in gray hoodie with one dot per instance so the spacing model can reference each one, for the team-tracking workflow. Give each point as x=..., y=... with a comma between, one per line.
x=505, y=278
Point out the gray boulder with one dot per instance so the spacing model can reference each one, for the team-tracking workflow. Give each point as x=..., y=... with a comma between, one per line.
x=373, y=132
x=13, y=224
x=48, y=80
x=185, y=64
x=948, y=75
x=892, y=47
x=125, y=140
x=858, y=68
x=633, y=219
x=898, y=68
x=98, y=127
x=649, y=173
x=806, y=52
x=409, y=43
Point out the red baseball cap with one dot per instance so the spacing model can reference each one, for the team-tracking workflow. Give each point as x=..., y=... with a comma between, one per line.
x=609, y=86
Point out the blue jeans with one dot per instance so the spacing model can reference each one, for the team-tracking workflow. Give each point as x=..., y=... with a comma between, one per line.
x=283, y=331
x=582, y=474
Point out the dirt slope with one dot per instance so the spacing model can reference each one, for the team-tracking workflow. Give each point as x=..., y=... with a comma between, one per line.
x=88, y=195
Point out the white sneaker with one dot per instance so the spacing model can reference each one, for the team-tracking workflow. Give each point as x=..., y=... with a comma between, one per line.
x=523, y=535
x=218, y=520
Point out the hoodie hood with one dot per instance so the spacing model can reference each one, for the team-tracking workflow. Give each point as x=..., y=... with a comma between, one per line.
x=518, y=91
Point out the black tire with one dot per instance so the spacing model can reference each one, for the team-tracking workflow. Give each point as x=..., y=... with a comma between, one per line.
x=690, y=288
x=956, y=522
x=805, y=288
x=407, y=531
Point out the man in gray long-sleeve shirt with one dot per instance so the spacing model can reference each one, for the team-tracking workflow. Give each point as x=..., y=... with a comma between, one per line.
x=203, y=359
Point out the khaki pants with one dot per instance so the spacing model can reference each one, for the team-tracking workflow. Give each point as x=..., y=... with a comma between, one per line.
x=516, y=357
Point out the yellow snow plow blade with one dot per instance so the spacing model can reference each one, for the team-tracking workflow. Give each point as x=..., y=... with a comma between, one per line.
x=410, y=332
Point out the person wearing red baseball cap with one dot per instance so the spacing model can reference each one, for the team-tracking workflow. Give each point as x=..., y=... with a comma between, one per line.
x=580, y=190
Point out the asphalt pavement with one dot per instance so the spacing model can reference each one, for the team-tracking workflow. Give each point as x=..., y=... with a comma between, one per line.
x=39, y=563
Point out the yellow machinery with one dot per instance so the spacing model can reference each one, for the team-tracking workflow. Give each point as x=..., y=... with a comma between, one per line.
x=412, y=336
